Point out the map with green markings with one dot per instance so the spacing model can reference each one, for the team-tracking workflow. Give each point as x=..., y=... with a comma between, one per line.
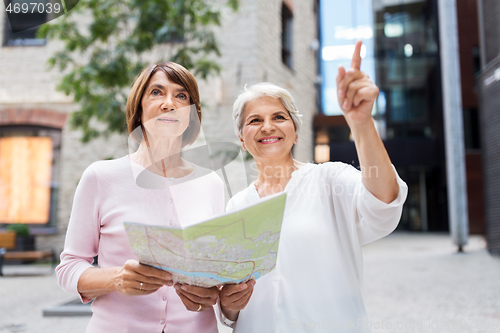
x=229, y=248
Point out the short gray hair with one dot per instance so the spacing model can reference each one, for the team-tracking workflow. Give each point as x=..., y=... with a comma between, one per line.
x=260, y=90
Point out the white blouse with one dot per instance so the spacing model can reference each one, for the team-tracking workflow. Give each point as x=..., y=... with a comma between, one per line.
x=317, y=283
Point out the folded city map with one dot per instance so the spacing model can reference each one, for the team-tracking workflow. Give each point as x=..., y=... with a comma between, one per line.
x=229, y=248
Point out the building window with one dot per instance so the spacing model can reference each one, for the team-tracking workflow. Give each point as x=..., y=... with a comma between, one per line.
x=407, y=67
x=29, y=160
x=286, y=35
x=28, y=16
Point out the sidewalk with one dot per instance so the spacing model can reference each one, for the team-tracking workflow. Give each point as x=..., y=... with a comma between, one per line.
x=419, y=283
x=413, y=283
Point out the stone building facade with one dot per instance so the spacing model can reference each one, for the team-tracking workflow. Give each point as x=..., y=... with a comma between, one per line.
x=251, y=47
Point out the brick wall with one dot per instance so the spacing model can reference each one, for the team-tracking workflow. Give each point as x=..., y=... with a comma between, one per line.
x=39, y=117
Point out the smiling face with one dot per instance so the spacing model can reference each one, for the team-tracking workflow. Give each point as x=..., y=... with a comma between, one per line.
x=165, y=106
x=268, y=130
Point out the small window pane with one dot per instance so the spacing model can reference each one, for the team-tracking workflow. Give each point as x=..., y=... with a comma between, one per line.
x=286, y=35
x=20, y=21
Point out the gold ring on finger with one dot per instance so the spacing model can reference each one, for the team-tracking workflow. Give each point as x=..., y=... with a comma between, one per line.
x=199, y=308
x=141, y=285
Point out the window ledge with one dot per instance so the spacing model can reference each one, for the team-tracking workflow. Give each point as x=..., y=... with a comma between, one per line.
x=26, y=42
x=39, y=230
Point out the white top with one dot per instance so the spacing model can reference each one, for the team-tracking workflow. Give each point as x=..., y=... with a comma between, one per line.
x=317, y=283
x=110, y=193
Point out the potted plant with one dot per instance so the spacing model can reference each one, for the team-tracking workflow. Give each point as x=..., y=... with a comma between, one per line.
x=24, y=240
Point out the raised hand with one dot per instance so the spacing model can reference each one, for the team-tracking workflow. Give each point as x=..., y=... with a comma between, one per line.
x=357, y=94
x=355, y=91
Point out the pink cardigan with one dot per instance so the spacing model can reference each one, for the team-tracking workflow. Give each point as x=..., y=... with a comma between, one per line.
x=109, y=193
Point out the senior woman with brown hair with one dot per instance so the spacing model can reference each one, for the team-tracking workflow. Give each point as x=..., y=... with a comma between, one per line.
x=332, y=209
x=163, y=115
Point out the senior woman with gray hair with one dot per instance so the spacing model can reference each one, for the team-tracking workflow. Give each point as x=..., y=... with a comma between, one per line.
x=332, y=210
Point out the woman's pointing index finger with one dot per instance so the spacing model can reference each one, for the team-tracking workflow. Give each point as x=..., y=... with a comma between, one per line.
x=356, y=57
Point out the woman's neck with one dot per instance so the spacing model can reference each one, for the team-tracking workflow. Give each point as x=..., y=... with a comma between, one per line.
x=162, y=156
x=274, y=174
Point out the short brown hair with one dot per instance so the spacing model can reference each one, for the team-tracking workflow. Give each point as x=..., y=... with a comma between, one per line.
x=178, y=75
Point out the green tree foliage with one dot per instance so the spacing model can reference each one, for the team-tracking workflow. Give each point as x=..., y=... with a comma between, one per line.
x=101, y=59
